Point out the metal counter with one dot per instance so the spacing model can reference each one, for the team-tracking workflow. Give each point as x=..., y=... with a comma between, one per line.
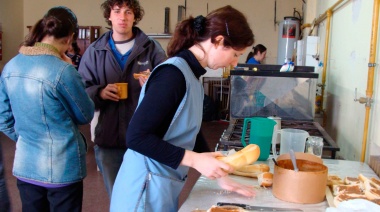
x=206, y=192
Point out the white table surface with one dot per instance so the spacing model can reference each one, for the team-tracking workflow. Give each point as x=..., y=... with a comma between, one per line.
x=206, y=192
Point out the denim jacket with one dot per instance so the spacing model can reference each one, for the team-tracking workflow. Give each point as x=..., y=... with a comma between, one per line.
x=42, y=102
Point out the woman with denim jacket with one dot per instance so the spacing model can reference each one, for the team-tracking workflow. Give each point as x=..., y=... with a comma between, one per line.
x=43, y=100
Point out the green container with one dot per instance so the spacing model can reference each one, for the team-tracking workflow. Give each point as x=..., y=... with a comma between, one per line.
x=260, y=133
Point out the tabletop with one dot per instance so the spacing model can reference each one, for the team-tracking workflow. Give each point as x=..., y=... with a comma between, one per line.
x=206, y=192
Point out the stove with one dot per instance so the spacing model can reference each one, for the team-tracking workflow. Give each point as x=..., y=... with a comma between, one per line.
x=231, y=137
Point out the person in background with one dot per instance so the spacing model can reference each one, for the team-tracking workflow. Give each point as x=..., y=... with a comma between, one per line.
x=114, y=58
x=164, y=137
x=43, y=100
x=4, y=196
x=257, y=55
x=74, y=54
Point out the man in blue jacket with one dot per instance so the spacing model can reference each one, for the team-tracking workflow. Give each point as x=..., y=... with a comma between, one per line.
x=114, y=58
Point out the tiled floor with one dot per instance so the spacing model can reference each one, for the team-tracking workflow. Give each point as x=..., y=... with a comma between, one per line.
x=95, y=198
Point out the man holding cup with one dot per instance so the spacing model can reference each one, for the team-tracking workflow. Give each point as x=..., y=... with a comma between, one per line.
x=114, y=58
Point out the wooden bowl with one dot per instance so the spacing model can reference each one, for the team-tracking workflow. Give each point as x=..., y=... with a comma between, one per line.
x=307, y=186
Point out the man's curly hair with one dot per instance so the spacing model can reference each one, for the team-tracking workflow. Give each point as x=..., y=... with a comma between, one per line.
x=134, y=5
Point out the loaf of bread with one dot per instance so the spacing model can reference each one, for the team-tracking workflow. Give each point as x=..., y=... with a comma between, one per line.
x=144, y=74
x=265, y=179
x=245, y=156
x=334, y=180
x=252, y=170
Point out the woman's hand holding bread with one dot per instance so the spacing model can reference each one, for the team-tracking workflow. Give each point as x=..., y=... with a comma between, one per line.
x=144, y=74
x=245, y=156
x=207, y=164
x=142, y=77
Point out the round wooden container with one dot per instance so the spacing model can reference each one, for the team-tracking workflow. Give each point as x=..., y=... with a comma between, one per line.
x=306, y=186
x=302, y=156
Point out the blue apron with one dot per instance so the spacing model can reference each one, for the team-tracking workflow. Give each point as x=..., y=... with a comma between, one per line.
x=144, y=184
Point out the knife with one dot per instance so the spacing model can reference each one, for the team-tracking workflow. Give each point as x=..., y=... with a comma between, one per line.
x=257, y=208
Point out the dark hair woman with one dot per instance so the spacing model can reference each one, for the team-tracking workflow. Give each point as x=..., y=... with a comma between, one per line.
x=164, y=137
x=43, y=102
x=257, y=55
x=73, y=52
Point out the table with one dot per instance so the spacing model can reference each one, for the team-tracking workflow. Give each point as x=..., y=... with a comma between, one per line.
x=206, y=192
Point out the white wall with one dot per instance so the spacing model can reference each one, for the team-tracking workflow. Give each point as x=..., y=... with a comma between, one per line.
x=347, y=68
x=260, y=14
x=11, y=19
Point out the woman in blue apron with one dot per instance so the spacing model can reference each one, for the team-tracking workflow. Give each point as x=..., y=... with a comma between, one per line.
x=164, y=137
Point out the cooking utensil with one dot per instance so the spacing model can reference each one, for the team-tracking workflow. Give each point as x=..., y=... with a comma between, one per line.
x=257, y=208
x=275, y=162
x=293, y=158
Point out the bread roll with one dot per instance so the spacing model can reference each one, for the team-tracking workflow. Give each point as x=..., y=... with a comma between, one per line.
x=363, y=178
x=334, y=180
x=255, y=168
x=245, y=156
x=252, y=170
x=370, y=190
x=344, y=197
x=225, y=209
x=375, y=183
x=145, y=74
x=372, y=193
x=348, y=189
x=357, y=188
x=265, y=179
x=351, y=180
x=377, y=201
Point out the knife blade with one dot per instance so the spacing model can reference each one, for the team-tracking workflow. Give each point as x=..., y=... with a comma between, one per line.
x=257, y=208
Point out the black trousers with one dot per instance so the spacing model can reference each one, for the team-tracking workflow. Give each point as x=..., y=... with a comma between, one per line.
x=40, y=199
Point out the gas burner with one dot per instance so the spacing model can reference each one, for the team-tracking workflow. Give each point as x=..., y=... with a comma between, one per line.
x=297, y=124
x=237, y=136
x=314, y=132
